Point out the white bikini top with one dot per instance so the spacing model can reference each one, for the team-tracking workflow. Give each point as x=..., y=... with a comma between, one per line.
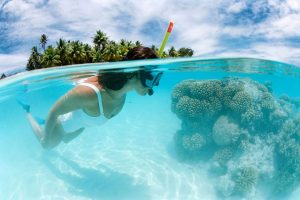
x=90, y=120
x=97, y=91
x=80, y=117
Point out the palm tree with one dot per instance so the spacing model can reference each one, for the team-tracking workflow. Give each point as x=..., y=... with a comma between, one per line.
x=30, y=65
x=155, y=49
x=77, y=53
x=164, y=54
x=97, y=56
x=88, y=57
x=43, y=41
x=173, y=52
x=112, y=52
x=50, y=58
x=100, y=40
x=138, y=44
x=127, y=44
x=34, y=61
x=185, y=52
x=63, y=51
x=124, y=47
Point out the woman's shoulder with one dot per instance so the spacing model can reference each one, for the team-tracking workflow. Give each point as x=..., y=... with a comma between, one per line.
x=92, y=79
x=83, y=91
x=86, y=92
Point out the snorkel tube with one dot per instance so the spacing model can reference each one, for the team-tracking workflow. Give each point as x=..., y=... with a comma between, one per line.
x=161, y=50
x=166, y=37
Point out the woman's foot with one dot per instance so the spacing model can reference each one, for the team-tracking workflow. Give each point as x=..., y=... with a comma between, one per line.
x=41, y=121
x=26, y=107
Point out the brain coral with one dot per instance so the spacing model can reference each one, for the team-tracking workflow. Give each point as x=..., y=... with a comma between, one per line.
x=225, y=131
x=240, y=102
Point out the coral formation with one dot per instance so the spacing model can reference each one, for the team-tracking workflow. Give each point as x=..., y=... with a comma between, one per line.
x=225, y=132
x=192, y=99
x=194, y=142
x=222, y=156
x=288, y=165
x=245, y=179
x=238, y=126
x=240, y=102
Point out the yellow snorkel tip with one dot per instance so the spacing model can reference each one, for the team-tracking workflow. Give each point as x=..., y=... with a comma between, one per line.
x=166, y=37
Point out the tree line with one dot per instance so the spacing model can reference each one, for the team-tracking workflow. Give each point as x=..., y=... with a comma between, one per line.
x=76, y=52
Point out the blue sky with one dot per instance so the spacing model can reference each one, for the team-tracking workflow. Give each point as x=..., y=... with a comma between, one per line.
x=221, y=28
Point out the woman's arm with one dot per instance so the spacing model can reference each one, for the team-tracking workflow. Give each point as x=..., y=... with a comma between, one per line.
x=73, y=100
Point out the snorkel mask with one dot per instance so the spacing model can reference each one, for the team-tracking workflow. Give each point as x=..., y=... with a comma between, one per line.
x=150, y=79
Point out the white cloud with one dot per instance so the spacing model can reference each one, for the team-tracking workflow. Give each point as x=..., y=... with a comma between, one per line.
x=237, y=7
x=198, y=24
x=278, y=52
x=286, y=26
x=12, y=62
x=30, y=20
x=294, y=4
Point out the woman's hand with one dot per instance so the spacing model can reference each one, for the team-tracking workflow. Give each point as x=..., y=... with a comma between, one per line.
x=70, y=136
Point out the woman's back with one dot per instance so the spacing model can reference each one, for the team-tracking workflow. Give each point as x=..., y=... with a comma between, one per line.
x=77, y=119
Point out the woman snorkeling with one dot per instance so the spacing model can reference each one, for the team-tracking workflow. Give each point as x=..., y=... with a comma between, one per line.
x=93, y=101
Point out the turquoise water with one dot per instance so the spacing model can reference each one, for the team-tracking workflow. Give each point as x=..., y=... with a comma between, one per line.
x=214, y=129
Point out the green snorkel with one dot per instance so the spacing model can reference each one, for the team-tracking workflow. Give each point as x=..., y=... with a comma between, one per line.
x=165, y=40
x=154, y=80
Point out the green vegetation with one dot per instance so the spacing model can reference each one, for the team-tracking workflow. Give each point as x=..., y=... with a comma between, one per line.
x=76, y=52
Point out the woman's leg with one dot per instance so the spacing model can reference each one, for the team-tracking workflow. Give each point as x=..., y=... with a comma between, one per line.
x=37, y=129
x=53, y=139
x=47, y=140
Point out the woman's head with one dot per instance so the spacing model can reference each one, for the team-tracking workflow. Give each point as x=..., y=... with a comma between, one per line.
x=117, y=80
x=140, y=53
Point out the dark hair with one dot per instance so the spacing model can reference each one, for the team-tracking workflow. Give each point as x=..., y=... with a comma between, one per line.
x=117, y=80
x=139, y=53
